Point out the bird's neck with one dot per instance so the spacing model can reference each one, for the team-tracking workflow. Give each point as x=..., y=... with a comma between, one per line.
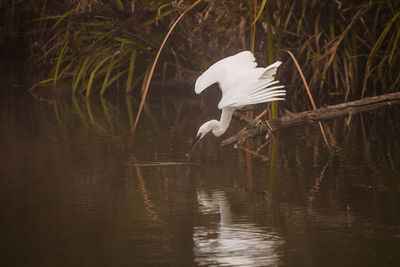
x=223, y=123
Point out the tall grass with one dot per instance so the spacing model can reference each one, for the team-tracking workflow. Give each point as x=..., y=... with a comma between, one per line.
x=333, y=47
x=93, y=46
x=347, y=49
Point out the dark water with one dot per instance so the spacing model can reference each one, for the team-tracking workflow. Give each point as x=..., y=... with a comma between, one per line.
x=75, y=190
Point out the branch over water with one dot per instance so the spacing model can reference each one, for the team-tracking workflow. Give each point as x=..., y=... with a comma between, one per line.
x=307, y=117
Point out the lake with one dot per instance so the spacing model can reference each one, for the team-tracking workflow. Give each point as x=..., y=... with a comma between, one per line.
x=77, y=190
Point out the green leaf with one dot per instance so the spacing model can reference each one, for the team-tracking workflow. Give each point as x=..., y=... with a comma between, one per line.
x=105, y=82
x=130, y=72
x=93, y=73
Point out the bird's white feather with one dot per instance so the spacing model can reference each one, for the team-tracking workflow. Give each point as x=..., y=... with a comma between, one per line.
x=223, y=71
x=241, y=84
x=270, y=71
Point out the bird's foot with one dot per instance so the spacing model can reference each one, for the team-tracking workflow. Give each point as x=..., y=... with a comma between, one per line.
x=269, y=126
x=187, y=158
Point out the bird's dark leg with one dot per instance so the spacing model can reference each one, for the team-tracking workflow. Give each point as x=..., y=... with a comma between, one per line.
x=263, y=145
x=268, y=105
x=269, y=126
x=269, y=133
x=187, y=158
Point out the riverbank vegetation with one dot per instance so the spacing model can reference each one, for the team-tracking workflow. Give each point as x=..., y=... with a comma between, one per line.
x=347, y=49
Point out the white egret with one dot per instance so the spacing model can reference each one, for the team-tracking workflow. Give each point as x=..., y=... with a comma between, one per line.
x=241, y=84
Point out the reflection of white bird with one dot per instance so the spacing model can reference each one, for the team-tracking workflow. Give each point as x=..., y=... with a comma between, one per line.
x=242, y=84
x=232, y=241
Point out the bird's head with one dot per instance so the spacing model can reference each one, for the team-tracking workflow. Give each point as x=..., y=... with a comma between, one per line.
x=203, y=130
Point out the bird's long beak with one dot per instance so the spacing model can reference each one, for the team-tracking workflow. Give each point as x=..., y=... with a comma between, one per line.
x=195, y=141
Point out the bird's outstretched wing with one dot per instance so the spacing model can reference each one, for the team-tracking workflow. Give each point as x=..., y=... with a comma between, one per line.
x=226, y=70
x=254, y=87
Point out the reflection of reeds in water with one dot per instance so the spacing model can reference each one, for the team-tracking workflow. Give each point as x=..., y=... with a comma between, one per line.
x=361, y=159
x=314, y=190
x=145, y=193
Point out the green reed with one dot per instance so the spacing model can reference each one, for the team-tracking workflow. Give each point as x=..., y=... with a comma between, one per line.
x=346, y=49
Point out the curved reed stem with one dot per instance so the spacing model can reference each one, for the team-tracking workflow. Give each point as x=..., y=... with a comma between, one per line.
x=308, y=92
x=146, y=89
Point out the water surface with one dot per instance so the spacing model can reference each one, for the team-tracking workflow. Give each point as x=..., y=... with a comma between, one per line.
x=76, y=190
